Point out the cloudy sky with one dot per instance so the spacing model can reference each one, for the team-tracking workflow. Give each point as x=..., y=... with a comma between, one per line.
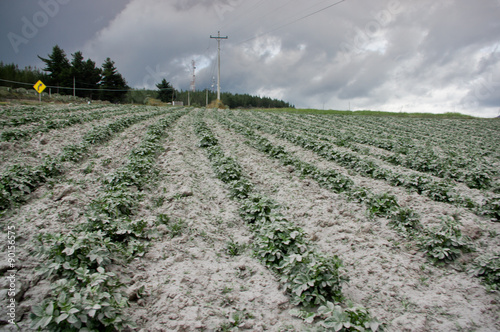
x=390, y=55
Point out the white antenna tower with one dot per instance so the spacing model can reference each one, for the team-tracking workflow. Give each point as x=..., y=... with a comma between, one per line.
x=193, y=82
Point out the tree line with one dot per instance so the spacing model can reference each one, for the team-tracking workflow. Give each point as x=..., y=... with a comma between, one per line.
x=231, y=100
x=106, y=83
x=79, y=76
x=11, y=73
x=167, y=93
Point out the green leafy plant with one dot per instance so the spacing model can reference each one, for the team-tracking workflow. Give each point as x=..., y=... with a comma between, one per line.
x=65, y=253
x=240, y=189
x=174, y=228
x=487, y=267
x=333, y=317
x=227, y=169
x=333, y=180
x=444, y=243
x=89, y=302
x=406, y=221
x=382, y=204
x=351, y=318
x=74, y=152
x=18, y=180
x=233, y=248
x=257, y=208
x=235, y=320
x=278, y=239
x=311, y=278
x=114, y=203
x=13, y=135
x=478, y=178
x=492, y=208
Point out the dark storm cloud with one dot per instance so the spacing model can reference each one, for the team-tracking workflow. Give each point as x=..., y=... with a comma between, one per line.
x=381, y=54
x=31, y=28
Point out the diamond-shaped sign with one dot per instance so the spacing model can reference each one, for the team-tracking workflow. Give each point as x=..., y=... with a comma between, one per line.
x=39, y=86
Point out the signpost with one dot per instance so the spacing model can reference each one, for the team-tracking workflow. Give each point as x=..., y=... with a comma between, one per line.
x=39, y=87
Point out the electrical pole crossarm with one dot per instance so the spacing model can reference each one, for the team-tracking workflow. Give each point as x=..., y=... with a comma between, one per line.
x=218, y=36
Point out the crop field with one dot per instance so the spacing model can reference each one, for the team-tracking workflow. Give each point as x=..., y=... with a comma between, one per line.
x=141, y=218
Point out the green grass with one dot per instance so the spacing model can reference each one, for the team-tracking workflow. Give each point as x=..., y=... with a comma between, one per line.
x=370, y=113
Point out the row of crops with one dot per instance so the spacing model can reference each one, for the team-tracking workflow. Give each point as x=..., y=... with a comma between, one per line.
x=443, y=243
x=453, y=163
x=474, y=163
x=311, y=278
x=85, y=293
x=477, y=173
x=19, y=180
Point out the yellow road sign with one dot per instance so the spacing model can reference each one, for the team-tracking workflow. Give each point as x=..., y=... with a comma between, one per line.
x=39, y=86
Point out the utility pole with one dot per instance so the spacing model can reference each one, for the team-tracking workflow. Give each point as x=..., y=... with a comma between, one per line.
x=218, y=62
x=193, y=82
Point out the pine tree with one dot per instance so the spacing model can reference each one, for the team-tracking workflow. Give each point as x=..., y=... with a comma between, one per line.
x=166, y=93
x=77, y=72
x=113, y=85
x=91, y=77
x=57, y=64
x=86, y=75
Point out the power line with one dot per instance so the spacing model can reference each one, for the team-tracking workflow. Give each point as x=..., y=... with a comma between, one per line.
x=65, y=88
x=292, y=22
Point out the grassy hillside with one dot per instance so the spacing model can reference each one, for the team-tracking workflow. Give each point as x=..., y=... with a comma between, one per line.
x=374, y=113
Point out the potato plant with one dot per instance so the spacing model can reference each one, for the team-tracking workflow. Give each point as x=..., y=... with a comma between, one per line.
x=310, y=277
x=85, y=295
